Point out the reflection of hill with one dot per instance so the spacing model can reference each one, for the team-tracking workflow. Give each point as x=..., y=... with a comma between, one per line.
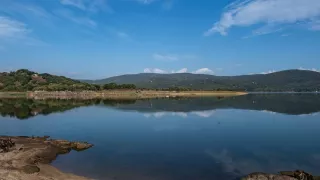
x=26, y=108
x=294, y=104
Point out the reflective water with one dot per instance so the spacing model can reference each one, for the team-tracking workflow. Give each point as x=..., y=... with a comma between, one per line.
x=176, y=139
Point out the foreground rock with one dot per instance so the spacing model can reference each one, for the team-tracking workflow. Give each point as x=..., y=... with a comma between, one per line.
x=28, y=158
x=284, y=175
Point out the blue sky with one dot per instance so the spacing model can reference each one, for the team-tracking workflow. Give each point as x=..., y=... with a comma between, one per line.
x=100, y=38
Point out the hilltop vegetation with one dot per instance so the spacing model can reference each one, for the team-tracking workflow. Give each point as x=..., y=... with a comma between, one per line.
x=25, y=80
x=289, y=80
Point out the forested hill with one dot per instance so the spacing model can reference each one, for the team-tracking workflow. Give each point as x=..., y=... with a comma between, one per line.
x=289, y=80
x=25, y=80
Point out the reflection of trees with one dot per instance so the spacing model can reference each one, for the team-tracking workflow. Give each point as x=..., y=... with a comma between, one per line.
x=281, y=103
x=26, y=108
x=293, y=104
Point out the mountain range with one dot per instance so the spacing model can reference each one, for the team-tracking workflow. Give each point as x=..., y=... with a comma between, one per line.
x=288, y=80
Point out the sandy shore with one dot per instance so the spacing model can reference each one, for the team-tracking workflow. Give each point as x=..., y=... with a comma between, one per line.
x=28, y=158
x=119, y=94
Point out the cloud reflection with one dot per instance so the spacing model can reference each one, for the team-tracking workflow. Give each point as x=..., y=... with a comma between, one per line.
x=202, y=114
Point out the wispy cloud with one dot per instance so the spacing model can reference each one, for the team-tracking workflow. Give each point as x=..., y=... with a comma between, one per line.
x=69, y=15
x=145, y=1
x=122, y=35
x=10, y=28
x=88, y=5
x=165, y=57
x=166, y=4
x=172, y=57
x=14, y=31
x=203, y=71
x=286, y=35
x=25, y=9
x=271, y=13
x=76, y=3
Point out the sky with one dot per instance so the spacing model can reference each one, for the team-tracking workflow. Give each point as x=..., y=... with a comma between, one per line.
x=93, y=39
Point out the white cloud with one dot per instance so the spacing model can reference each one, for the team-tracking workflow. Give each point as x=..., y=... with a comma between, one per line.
x=69, y=15
x=203, y=71
x=165, y=57
x=162, y=114
x=312, y=69
x=269, y=72
x=10, y=28
x=274, y=13
x=204, y=114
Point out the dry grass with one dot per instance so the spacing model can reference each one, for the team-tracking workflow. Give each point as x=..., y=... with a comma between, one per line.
x=121, y=94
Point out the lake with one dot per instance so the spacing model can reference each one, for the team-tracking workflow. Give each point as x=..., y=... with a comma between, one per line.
x=176, y=139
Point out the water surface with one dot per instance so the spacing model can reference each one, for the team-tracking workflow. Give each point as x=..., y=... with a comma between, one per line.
x=176, y=139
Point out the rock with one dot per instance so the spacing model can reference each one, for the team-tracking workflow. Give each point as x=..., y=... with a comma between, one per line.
x=30, y=169
x=264, y=176
x=283, y=175
x=298, y=174
x=80, y=146
x=67, y=146
x=6, y=144
x=23, y=156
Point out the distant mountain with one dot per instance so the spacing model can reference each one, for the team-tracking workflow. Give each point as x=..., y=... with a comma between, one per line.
x=289, y=80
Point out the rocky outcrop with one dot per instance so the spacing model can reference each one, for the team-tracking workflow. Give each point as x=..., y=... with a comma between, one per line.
x=283, y=175
x=6, y=144
x=27, y=158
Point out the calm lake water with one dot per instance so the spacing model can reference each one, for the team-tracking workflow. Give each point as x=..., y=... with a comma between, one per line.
x=176, y=139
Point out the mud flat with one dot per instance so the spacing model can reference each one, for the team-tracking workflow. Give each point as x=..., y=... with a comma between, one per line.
x=29, y=158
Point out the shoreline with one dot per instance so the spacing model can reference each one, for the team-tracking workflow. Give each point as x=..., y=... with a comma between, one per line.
x=118, y=94
x=29, y=158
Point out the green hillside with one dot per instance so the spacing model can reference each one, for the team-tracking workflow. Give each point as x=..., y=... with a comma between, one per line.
x=289, y=80
x=25, y=80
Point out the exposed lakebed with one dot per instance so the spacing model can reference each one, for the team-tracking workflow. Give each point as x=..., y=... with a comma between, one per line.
x=173, y=139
